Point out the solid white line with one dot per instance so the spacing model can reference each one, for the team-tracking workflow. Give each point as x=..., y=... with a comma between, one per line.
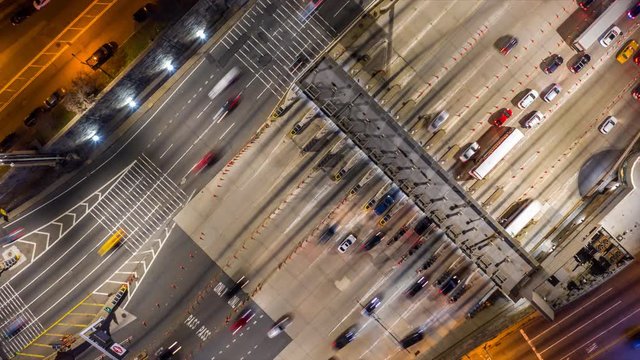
x=533, y=348
x=339, y=10
x=165, y=152
x=568, y=316
x=600, y=334
x=205, y=108
x=192, y=145
x=581, y=326
x=225, y=133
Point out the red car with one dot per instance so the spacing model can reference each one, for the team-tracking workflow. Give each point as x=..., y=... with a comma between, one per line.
x=245, y=316
x=636, y=58
x=232, y=103
x=502, y=118
x=636, y=93
x=12, y=236
x=206, y=160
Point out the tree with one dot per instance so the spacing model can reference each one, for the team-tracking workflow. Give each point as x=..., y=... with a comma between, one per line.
x=85, y=88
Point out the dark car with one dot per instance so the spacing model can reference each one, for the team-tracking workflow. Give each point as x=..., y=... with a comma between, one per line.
x=417, y=286
x=33, y=116
x=443, y=278
x=423, y=225
x=636, y=93
x=328, y=234
x=580, y=63
x=55, y=98
x=301, y=61
x=231, y=103
x=167, y=353
x=22, y=14
x=585, y=4
x=554, y=63
x=144, y=13
x=384, y=204
x=449, y=285
x=372, y=305
x=502, y=117
x=403, y=230
x=346, y=337
x=509, y=45
x=373, y=241
x=430, y=261
x=412, y=339
x=15, y=327
x=104, y=53
x=8, y=142
x=634, y=11
x=634, y=340
x=236, y=287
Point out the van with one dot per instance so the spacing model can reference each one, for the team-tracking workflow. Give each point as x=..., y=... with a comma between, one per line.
x=348, y=241
x=112, y=242
x=534, y=119
x=438, y=121
x=552, y=93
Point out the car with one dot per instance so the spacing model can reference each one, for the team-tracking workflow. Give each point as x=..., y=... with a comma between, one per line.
x=634, y=11
x=328, y=234
x=636, y=58
x=372, y=305
x=412, y=339
x=279, y=326
x=112, y=242
x=417, y=286
x=585, y=4
x=144, y=13
x=373, y=241
x=449, y=285
x=551, y=94
x=503, y=116
x=468, y=153
x=528, y=99
x=15, y=327
x=400, y=233
x=167, y=353
x=627, y=51
x=21, y=15
x=607, y=38
x=509, y=45
x=553, y=64
x=423, y=225
x=8, y=142
x=634, y=339
x=300, y=62
x=384, y=204
x=438, y=120
x=33, y=116
x=635, y=93
x=12, y=236
x=39, y=4
x=55, y=98
x=226, y=81
x=310, y=8
x=534, y=119
x=348, y=241
x=231, y=103
x=242, y=320
x=205, y=161
x=346, y=337
x=582, y=61
x=100, y=56
x=236, y=288
x=607, y=125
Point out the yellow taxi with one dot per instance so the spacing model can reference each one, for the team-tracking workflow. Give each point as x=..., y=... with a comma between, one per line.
x=112, y=242
x=627, y=51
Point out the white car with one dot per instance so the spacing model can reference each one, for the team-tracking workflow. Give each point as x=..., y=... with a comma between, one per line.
x=348, y=241
x=610, y=35
x=469, y=152
x=224, y=83
x=39, y=4
x=279, y=327
x=534, y=119
x=438, y=121
x=528, y=99
x=552, y=93
x=607, y=124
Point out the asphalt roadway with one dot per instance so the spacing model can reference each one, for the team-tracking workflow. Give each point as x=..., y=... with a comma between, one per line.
x=138, y=178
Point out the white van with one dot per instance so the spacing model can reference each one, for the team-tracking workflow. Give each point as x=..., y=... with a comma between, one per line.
x=224, y=83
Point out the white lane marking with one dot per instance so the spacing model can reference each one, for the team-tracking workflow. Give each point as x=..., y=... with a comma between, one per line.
x=165, y=152
x=205, y=109
x=226, y=131
x=566, y=357
x=194, y=143
x=533, y=348
x=339, y=10
x=581, y=326
x=570, y=315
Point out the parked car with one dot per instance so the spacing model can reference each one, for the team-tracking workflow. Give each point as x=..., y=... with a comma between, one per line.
x=100, y=56
x=372, y=305
x=585, y=4
x=528, y=99
x=534, y=119
x=348, y=241
x=417, y=286
x=8, y=142
x=552, y=93
x=423, y=225
x=55, y=98
x=627, y=51
x=39, y=4
x=634, y=11
x=509, y=45
x=144, y=13
x=636, y=93
x=502, y=118
x=580, y=63
x=412, y=339
x=469, y=152
x=33, y=116
x=608, y=124
x=346, y=337
x=438, y=121
x=607, y=38
x=373, y=241
x=21, y=15
x=553, y=64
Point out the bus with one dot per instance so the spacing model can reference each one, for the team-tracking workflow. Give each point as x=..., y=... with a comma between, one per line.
x=523, y=217
x=496, y=153
x=112, y=242
x=602, y=24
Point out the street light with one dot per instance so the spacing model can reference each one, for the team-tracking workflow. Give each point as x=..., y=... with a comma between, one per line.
x=95, y=138
x=201, y=34
x=131, y=102
x=168, y=65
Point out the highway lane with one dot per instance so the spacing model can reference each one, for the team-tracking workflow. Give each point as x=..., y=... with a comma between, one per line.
x=127, y=152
